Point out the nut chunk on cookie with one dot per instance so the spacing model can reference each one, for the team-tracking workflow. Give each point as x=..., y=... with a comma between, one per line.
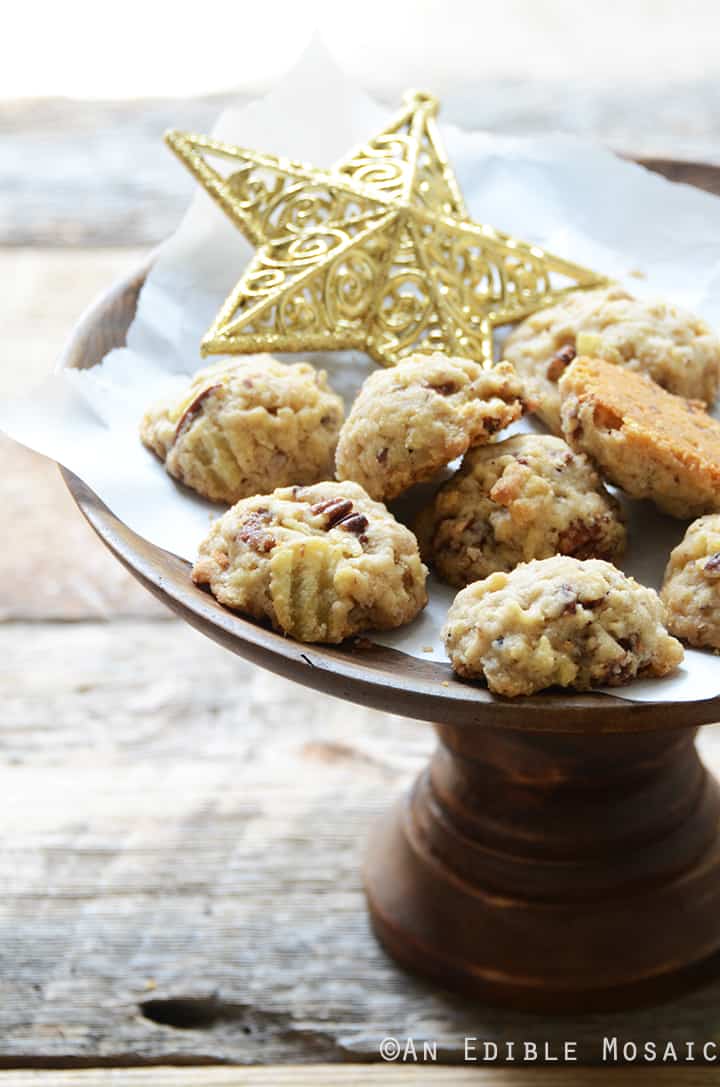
x=247, y=426
x=529, y=497
x=691, y=591
x=321, y=562
x=670, y=345
x=559, y=621
x=643, y=439
x=408, y=422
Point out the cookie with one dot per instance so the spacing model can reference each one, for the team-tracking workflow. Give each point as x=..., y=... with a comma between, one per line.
x=247, y=426
x=647, y=441
x=413, y=419
x=321, y=563
x=673, y=347
x=691, y=590
x=559, y=622
x=528, y=497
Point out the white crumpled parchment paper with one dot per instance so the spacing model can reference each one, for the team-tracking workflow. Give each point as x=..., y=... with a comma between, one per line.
x=572, y=197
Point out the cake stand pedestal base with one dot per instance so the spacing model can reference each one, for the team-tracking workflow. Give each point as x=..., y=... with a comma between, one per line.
x=554, y=872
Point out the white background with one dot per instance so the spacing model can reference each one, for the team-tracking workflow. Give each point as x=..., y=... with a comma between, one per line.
x=84, y=48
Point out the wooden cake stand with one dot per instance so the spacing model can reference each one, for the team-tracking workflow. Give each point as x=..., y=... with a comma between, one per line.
x=560, y=852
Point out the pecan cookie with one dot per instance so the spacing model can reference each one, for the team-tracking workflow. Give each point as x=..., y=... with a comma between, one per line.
x=411, y=420
x=246, y=426
x=320, y=562
x=559, y=622
x=647, y=441
x=528, y=497
x=691, y=590
x=675, y=348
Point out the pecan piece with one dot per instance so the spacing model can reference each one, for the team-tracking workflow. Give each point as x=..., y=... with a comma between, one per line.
x=335, y=509
x=446, y=388
x=712, y=566
x=619, y=672
x=593, y=602
x=193, y=409
x=493, y=425
x=560, y=362
x=254, y=532
x=568, y=599
x=356, y=522
x=581, y=539
x=339, y=513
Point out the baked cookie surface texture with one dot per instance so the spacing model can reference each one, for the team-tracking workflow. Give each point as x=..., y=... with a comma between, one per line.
x=558, y=622
x=321, y=563
x=691, y=590
x=673, y=347
x=647, y=441
x=247, y=426
x=528, y=497
x=410, y=420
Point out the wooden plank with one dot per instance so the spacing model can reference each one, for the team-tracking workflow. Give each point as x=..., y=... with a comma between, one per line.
x=94, y=173
x=44, y=293
x=180, y=847
x=97, y=173
x=74, y=578
x=358, y=1076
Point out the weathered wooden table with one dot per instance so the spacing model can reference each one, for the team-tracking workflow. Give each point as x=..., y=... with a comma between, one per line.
x=181, y=833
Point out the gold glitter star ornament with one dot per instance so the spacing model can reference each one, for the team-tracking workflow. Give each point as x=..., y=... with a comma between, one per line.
x=378, y=253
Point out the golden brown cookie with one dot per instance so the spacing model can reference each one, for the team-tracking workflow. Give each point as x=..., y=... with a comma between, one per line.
x=647, y=441
x=409, y=421
x=675, y=348
x=559, y=622
x=247, y=426
x=321, y=563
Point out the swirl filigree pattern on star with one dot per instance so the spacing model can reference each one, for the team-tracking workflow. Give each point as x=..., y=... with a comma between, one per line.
x=378, y=254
